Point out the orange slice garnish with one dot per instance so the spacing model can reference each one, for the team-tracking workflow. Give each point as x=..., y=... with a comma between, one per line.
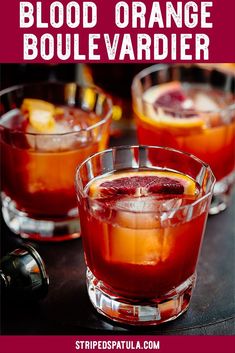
x=140, y=183
x=41, y=120
x=160, y=118
x=40, y=114
x=30, y=104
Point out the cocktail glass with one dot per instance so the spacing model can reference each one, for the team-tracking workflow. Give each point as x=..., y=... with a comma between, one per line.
x=141, y=251
x=38, y=169
x=205, y=128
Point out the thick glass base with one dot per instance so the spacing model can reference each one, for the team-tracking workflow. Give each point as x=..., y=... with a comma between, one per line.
x=139, y=312
x=222, y=193
x=36, y=229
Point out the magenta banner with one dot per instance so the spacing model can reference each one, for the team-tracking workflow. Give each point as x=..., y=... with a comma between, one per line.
x=62, y=344
x=117, y=31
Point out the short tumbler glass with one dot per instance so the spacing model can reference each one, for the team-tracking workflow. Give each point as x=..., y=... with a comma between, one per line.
x=122, y=285
x=38, y=169
x=207, y=131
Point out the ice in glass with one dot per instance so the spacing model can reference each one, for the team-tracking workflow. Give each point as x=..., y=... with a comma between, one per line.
x=190, y=108
x=46, y=131
x=143, y=211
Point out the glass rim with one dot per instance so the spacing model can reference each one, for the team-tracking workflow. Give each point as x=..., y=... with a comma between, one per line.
x=60, y=83
x=158, y=67
x=197, y=201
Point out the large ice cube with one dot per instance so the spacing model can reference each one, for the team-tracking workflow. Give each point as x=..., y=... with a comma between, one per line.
x=150, y=203
x=138, y=246
x=144, y=212
x=203, y=102
x=58, y=139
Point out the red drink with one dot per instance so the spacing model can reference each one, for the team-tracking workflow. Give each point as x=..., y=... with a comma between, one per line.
x=133, y=251
x=191, y=109
x=142, y=230
x=36, y=178
x=40, y=152
x=206, y=136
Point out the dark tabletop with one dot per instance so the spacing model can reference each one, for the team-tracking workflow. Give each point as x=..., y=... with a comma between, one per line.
x=67, y=310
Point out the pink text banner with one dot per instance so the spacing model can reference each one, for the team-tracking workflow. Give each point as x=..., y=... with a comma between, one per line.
x=153, y=343
x=117, y=31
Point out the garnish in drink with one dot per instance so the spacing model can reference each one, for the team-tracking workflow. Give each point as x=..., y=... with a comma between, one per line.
x=143, y=212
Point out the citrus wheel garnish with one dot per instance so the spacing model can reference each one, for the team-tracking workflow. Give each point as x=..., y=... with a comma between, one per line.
x=37, y=104
x=142, y=183
x=40, y=114
x=164, y=102
x=137, y=235
x=41, y=120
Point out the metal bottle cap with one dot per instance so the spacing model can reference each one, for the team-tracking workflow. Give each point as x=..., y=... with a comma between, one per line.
x=23, y=273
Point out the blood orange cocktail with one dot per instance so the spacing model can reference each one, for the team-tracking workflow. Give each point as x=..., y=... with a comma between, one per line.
x=190, y=108
x=46, y=131
x=143, y=212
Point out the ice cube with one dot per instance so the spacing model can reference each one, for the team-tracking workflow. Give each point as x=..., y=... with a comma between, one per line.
x=136, y=204
x=51, y=141
x=134, y=246
x=144, y=212
x=203, y=102
x=150, y=203
x=138, y=246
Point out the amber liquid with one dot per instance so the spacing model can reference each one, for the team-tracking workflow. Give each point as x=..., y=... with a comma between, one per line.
x=214, y=144
x=134, y=253
x=41, y=181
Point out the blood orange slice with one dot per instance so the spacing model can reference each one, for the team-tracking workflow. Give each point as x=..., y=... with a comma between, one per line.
x=163, y=101
x=142, y=183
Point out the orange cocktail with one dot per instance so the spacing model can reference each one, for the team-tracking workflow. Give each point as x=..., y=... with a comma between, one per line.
x=143, y=212
x=190, y=108
x=46, y=131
